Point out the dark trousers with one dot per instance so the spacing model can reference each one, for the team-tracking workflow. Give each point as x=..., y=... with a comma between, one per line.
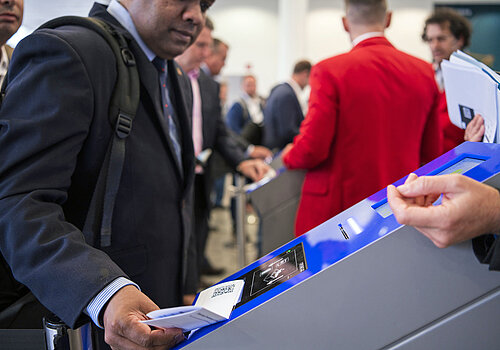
x=201, y=213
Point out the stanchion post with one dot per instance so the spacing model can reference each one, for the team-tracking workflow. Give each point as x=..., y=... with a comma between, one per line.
x=240, y=197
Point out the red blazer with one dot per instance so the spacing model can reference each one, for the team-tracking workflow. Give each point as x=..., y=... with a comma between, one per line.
x=372, y=119
x=452, y=135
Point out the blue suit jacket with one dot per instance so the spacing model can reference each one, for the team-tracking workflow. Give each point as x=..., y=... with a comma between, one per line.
x=282, y=117
x=54, y=132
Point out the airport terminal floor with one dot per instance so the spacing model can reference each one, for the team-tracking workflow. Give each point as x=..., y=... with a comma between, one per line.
x=222, y=251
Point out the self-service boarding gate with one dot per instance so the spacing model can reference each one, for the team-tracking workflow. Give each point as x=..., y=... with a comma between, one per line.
x=363, y=281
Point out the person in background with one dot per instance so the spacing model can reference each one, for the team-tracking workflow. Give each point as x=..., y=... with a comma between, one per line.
x=469, y=210
x=212, y=67
x=59, y=87
x=246, y=115
x=446, y=31
x=285, y=108
x=216, y=60
x=209, y=132
x=372, y=119
x=11, y=17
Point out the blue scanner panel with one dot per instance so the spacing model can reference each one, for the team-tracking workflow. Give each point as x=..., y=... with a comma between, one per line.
x=352, y=230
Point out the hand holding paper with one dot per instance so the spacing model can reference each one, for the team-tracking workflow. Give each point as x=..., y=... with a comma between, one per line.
x=213, y=305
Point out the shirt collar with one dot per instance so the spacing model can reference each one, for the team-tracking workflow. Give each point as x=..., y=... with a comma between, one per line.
x=121, y=14
x=205, y=69
x=365, y=36
x=4, y=64
x=295, y=86
x=194, y=73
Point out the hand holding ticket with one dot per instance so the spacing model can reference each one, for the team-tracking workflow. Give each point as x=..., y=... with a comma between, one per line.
x=213, y=305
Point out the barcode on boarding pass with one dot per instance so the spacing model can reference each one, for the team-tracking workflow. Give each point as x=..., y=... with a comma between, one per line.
x=223, y=290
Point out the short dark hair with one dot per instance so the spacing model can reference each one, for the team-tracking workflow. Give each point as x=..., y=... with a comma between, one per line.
x=302, y=66
x=217, y=43
x=459, y=25
x=366, y=11
x=209, y=24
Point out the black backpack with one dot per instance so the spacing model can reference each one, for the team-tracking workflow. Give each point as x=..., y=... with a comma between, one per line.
x=122, y=110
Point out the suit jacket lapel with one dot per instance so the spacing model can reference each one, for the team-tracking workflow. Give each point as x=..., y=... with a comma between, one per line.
x=183, y=117
x=148, y=76
x=204, y=115
x=292, y=91
x=149, y=80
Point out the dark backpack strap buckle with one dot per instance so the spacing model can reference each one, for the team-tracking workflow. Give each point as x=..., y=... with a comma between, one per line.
x=123, y=125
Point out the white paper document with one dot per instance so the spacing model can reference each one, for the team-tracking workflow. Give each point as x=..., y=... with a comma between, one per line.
x=470, y=91
x=213, y=305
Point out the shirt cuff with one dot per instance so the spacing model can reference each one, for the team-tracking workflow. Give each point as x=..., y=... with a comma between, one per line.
x=249, y=150
x=96, y=304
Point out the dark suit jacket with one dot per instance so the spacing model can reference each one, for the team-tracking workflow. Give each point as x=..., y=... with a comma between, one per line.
x=54, y=131
x=487, y=250
x=282, y=117
x=216, y=136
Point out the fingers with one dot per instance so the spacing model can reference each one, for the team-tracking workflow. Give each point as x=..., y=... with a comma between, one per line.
x=396, y=202
x=262, y=169
x=188, y=299
x=253, y=169
x=287, y=148
x=156, y=339
x=432, y=185
x=475, y=130
x=412, y=177
x=132, y=334
x=262, y=152
x=420, y=200
x=122, y=326
x=419, y=216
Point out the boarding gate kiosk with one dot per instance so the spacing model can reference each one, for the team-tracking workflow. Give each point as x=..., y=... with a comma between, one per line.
x=363, y=281
x=276, y=202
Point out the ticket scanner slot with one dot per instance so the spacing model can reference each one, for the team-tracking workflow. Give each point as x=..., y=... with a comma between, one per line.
x=317, y=290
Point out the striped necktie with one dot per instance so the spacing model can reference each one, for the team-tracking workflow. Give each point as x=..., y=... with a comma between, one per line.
x=168, y=110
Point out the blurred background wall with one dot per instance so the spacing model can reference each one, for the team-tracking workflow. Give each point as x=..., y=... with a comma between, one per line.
x=267, y=36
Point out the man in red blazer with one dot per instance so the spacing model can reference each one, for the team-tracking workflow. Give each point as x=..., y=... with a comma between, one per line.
x=372, y=119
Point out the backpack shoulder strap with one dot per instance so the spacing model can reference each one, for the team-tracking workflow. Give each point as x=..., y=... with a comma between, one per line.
x=122, y=110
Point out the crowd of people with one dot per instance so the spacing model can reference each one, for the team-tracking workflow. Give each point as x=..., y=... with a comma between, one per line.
x=374, y=115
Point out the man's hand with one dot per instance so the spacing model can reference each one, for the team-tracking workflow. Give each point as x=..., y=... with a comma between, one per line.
x=468, y=208
x=261, y=152
x=286, y=149
x=475, y=130
x=188, y=299
x=122, y=329
x=255, y=169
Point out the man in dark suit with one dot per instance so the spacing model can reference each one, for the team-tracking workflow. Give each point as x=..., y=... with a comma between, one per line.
x=285, y=108
x=54, y=134
x=246, y=115
x=209, y=132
